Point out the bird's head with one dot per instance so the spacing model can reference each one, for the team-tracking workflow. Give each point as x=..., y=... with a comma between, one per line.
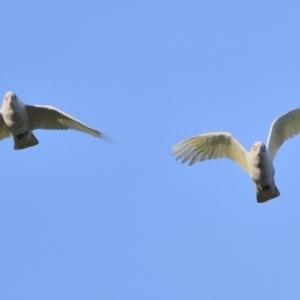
x=258, y=149
x=11, y=99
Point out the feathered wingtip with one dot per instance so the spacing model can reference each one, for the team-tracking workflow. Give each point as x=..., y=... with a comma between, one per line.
x=185, y=153
x=108, y=138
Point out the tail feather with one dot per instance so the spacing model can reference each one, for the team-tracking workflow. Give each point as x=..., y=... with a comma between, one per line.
x=265, y=195
x=22, y=144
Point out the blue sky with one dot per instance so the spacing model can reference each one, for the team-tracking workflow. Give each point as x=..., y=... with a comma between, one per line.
x=84, y=219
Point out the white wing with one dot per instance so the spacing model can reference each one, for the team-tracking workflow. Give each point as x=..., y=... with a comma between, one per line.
x=4, y=132
x=282, y=129
x=48, y=117
x=211, y=146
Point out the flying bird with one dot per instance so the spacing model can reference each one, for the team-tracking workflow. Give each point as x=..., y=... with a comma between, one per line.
x=19, y=120
x=258, y=163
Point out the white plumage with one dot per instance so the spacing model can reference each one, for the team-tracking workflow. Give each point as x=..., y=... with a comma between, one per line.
x=19, y=120
x=258, y=163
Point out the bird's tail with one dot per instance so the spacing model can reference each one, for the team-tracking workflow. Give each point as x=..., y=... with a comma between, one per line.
x=23, y=143
x=264, y=194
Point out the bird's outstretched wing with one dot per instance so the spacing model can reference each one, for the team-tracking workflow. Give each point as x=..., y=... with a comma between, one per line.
x=4, y=132
x=282, y=129
x=211, y=146
x=48, y=117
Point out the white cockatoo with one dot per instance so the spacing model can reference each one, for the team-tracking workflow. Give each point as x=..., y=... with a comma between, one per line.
x=258, y=163
x=19, y=120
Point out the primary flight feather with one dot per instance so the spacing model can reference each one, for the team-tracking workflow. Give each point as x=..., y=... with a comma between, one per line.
x=19, y=120
x=258, y=163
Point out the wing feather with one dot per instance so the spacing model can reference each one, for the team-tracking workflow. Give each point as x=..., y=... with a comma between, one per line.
x=212, y=145
x=282, y=129
x=49, y=117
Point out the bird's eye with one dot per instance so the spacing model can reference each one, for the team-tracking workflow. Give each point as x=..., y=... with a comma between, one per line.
x=263, y=148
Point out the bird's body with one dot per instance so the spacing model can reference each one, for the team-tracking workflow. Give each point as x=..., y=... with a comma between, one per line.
x=14, y=115
x=261, y=171
x=258, y=163
x=19, y=120
x=16, y=119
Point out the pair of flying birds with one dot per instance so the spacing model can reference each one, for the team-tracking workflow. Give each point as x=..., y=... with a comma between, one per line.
x=20, y=120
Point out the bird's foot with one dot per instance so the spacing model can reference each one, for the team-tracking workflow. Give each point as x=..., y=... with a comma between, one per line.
x=20, y=136
x=265, y=187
